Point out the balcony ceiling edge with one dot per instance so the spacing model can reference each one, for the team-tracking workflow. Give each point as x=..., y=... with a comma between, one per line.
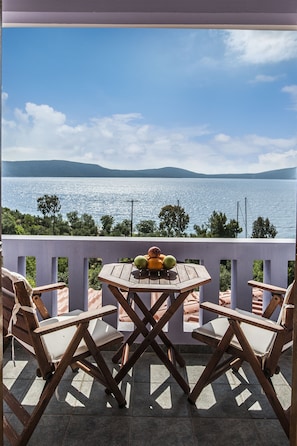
x=194, y=13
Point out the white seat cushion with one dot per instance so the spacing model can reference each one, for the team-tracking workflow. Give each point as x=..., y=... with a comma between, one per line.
x=259, y=339
x=57, y=342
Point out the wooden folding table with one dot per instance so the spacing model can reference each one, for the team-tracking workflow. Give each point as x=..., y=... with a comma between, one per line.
x=126, y=283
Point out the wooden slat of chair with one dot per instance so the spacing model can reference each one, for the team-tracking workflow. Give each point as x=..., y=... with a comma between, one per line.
x=37, y=293
x=276, y=300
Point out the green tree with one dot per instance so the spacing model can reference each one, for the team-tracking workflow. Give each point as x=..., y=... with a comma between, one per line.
x=62, y=226
x=31, y=270
x=258, y=270
x=14, y=222
x=291, y=271
x=89, y=226
x=217, y=226
x=63, y=270
x=9, y=225
x=122, y=229
x=225, y=275
x=49, y=206
x=74, y=221
x=84, y=225
x=173, y=221
x=262, y=228
x=106, y=223
x=95, y=266
x=201, y=231
x=146, y=228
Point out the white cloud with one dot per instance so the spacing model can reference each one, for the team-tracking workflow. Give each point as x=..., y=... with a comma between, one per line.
x=276, y=143
x=221, y=137
x=261, y=47
x=44, y=114
x=126, y=141
x=280, y=159
x=292, y=90
x=4, y=98
x=263, y=78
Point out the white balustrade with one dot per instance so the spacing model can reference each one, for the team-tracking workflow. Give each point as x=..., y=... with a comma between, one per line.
x=275, y=253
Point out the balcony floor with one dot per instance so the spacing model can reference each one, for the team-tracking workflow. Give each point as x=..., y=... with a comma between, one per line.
x=232, y=411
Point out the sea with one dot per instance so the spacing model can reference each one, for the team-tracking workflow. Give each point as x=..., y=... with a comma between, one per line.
x=143, y=199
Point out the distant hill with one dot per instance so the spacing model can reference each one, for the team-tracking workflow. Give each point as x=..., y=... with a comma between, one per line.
x=72, y=169
x=58, y=168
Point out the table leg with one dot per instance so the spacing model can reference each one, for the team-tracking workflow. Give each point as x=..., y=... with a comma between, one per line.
x=164, y=358
x=133, y=336
x=172, y=352
x=125, y=353
x=149, y=339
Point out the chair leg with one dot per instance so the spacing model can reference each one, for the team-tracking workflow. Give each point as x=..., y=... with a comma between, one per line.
x=112, y=385
x=205, y=378
x=30, y=422
x=47, y=393
x=105, y=372
x=265, y=383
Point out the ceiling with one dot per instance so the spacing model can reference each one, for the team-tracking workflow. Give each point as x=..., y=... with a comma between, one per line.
x=196, y=13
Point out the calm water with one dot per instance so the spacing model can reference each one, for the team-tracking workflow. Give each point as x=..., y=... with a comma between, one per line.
x=275, y=199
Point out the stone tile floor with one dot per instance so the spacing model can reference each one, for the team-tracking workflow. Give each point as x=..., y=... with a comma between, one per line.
x=232, y=411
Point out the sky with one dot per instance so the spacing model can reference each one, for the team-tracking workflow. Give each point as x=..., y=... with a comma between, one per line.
x=205, y=100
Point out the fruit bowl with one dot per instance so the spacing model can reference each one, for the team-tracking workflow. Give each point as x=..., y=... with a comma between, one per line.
x=154, y=261
x=154, y=274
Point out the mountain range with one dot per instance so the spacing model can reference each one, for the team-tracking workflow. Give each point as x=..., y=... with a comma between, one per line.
x=57, y=168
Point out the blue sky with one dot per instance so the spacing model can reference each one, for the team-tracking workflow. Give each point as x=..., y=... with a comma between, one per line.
x=210, y=101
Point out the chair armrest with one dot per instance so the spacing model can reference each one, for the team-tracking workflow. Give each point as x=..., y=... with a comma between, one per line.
x=50, y=287
x=267, y=287
x=85, y=316
x=236, y=315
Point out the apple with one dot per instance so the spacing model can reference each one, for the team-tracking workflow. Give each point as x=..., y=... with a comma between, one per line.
x=140, y=262
x=154, y=251
x=169, y=262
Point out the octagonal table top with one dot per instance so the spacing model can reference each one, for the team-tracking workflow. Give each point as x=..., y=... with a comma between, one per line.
x=183, y=277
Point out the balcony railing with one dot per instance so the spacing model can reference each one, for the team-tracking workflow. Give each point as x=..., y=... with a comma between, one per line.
x=275, y=253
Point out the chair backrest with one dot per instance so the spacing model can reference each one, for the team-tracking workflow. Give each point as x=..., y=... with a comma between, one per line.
x=14, y=322
x=284, y=339
x=287, y=310
x=20, y=318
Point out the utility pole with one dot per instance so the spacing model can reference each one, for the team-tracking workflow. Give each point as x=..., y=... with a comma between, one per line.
x=245, y=209
x=132, y=211
x=178, y=216
x=244, y=216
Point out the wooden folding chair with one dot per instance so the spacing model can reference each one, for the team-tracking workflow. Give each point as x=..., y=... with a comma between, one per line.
x=56, y=343
x=239, y=336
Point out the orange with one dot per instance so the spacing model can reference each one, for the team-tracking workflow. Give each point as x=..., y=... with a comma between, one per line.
x=155, y=263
